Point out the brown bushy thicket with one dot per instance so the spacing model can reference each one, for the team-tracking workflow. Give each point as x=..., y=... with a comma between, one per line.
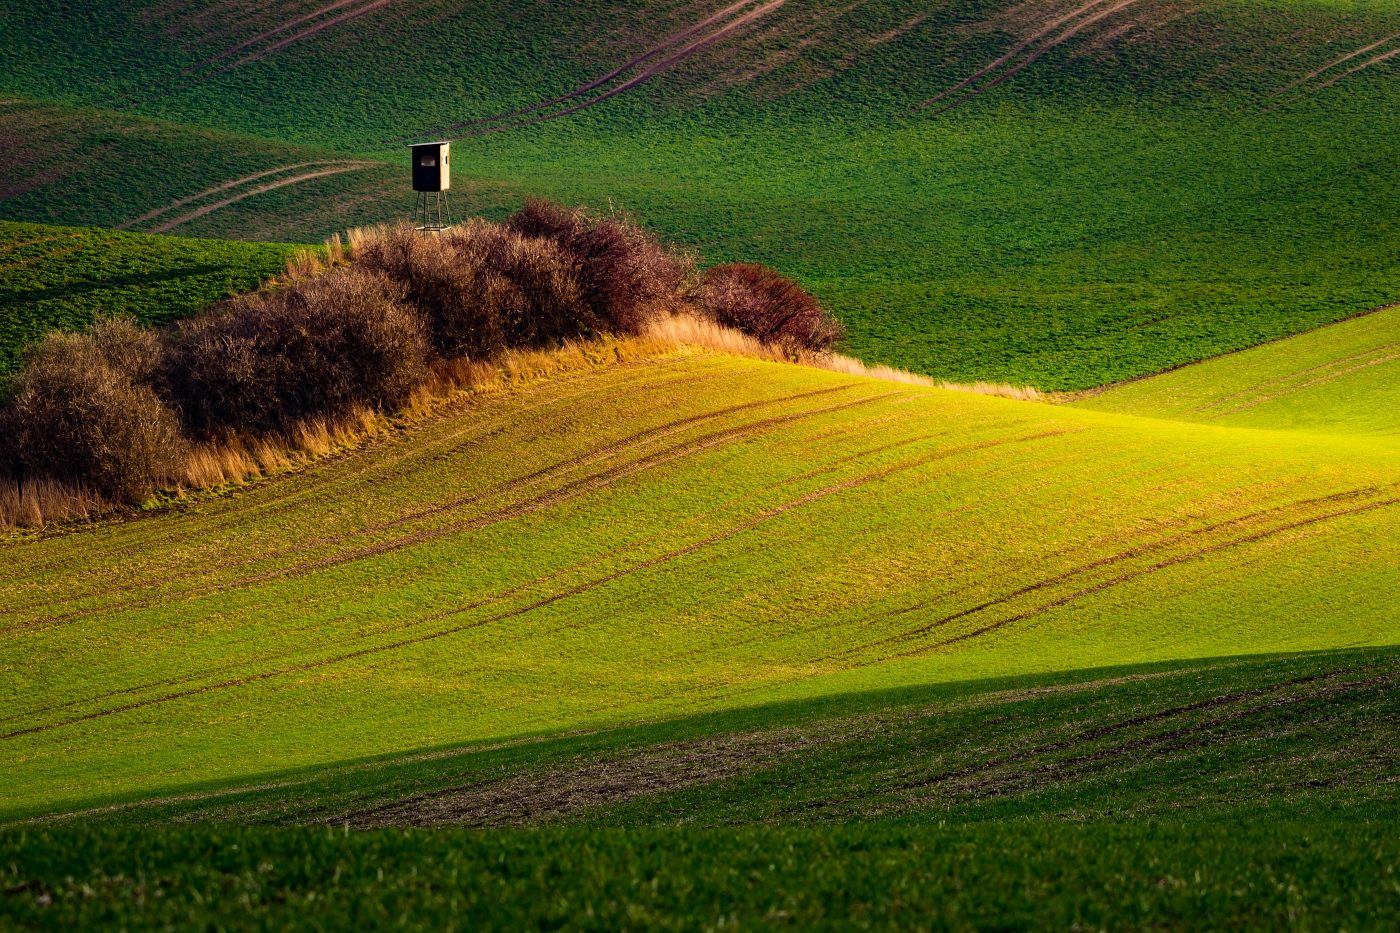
x=760, y=302
x=321, y=347
x=112, y=414
x=83, y=410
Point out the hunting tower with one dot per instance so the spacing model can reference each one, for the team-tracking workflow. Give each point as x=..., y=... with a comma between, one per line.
x=431, y=179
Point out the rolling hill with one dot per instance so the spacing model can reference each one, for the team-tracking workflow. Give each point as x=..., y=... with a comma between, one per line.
x=691, y=532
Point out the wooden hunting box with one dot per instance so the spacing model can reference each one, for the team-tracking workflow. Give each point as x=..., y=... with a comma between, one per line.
x=430, y=167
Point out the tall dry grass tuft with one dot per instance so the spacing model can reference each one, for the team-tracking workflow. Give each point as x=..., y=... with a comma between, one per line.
x=35, y=503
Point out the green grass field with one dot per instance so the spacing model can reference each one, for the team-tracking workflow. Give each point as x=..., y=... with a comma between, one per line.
x=64, y=277
x=694, y=533
x=1123, y=204
x=1336, y=380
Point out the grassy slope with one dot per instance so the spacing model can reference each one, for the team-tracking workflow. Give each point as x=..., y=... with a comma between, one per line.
x=1339, y=379
x=1106, y=213
x=63, y=277
x=772, y=532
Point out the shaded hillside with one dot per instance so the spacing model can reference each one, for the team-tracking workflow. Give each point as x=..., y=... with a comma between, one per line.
x=61, y=278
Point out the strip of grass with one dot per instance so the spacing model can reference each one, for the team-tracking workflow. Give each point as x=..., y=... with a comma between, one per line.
x=1340, y=379
x=1248, y=792
x=1337, y=873
x=62, y=278
x=689, y=533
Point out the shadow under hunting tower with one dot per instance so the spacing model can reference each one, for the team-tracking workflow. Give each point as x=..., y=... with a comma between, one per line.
x=431, y=179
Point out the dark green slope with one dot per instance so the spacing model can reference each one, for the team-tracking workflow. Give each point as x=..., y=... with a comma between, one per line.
x=1125, y=200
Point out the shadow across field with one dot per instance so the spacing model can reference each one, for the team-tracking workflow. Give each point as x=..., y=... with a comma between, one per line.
x=1280, y=735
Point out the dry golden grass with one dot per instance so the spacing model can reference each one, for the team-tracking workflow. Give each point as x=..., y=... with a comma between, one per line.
x=682, y=330
x=33, y=504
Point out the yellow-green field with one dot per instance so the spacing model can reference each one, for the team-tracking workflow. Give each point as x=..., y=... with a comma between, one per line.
x=683, y=533
x=1342, y=379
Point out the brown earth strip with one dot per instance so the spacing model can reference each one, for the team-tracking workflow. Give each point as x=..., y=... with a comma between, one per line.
x=1017, y=50
x=539, y=796
x=280, y=183
x=215, y=190
x=597, y=82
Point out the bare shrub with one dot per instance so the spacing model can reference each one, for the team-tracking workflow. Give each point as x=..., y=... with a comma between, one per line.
x=624, y=273
x=760, y=302
x=265, y=361
x=482, y=288
x=83, y=414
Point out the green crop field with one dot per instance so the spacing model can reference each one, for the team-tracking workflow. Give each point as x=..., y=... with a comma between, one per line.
x=64, y=277
x=663, y=638
x=1134, y=197
x=889, y=599
x=1342, y=379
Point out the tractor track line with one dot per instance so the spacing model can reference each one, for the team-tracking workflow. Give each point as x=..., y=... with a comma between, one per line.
x=1174, y=712
x=1062, y=37
x=43, y=239
x=1303, y=372
x=506, y=513
x=650, y=73
x=54, y=254
x=660, y=432
x=280, y=183
x=1326, y=84
x=150, y=215
x=1298, y=388
x=1097, y=564
x=1330, y=65
x=1043, y=31
x=597, y=82
x=1171, y=562
x=369, y=466
x=307, y=33
x=238, y=48
x=539, y=604
x=1183, y=732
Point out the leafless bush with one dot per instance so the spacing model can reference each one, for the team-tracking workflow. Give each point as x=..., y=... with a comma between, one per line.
x=83, y=414
x=760, y=302
x=624, y=273
x=323, y=346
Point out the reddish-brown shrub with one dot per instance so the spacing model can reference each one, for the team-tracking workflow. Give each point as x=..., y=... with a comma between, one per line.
x=320, y=347
x=760, y=302
x=625, y=275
